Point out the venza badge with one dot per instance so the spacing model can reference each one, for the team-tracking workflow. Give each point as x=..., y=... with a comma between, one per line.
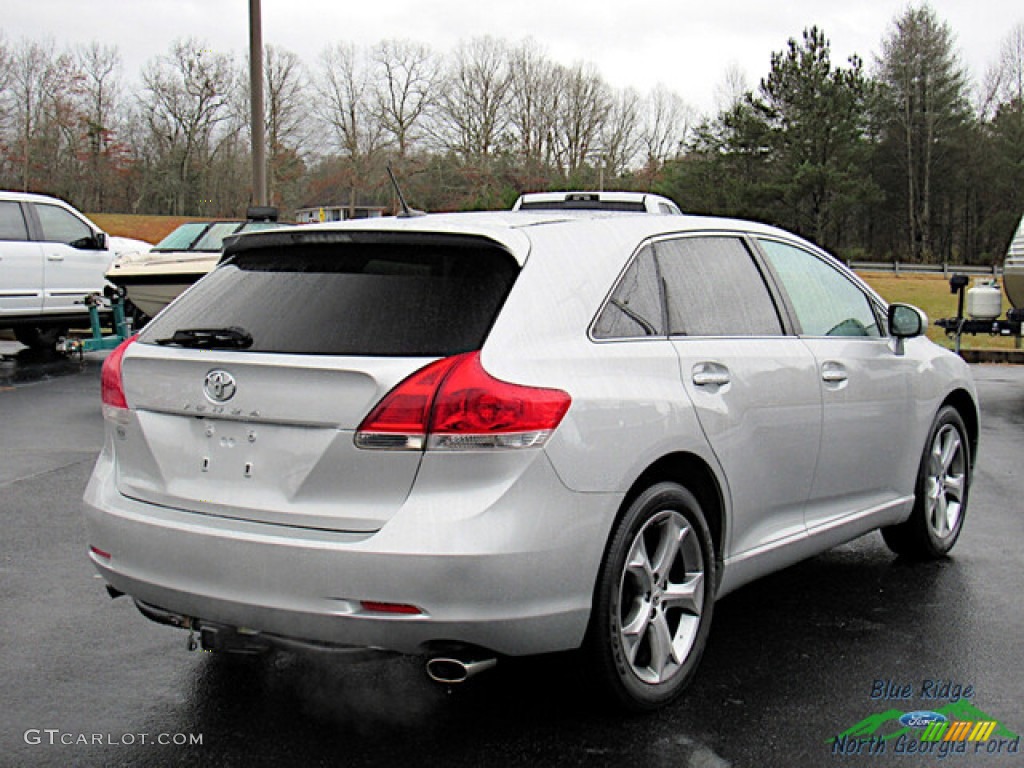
x=219, y=386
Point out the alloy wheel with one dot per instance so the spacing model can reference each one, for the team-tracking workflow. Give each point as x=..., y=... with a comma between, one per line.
x=945, y=483
x=661, y=597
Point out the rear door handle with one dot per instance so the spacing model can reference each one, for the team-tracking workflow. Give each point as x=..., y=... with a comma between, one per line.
x=833, y=372
x=710, y=375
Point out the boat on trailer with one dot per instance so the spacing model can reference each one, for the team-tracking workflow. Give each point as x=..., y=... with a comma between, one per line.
x=155, y=278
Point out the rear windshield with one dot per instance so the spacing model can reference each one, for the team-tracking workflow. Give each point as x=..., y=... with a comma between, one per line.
x=381, y=299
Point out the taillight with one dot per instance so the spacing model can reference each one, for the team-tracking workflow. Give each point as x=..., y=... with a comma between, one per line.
x=111, y=384
x=454, y=404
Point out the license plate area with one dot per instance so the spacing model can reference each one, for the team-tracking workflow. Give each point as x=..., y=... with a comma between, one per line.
x=229, y=450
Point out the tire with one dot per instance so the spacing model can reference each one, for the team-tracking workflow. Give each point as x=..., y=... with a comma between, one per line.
x=40, y=338
x=941, y=491
x=653, y=601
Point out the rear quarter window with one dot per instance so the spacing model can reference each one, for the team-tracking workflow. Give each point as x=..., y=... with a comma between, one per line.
x=12, y=222
x=379, y=299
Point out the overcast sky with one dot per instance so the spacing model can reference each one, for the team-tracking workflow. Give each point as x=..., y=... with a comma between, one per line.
x=687, y=46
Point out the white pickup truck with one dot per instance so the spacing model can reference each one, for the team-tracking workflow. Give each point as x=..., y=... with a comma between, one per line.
x=51, y=256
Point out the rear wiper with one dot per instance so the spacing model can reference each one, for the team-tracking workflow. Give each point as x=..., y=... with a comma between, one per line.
x=210, y=338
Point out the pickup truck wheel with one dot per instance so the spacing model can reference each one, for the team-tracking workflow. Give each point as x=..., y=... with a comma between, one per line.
x=40, y=338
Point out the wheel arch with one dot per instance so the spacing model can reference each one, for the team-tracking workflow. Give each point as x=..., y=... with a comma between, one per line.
x=694, y=474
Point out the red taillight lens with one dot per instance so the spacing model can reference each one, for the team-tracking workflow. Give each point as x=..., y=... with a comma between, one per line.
x=111, y=385
x=400, y=609
x=472, y=401
x=406, y=408
x=455, y=404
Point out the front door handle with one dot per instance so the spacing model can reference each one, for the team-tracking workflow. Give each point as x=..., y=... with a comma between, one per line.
x=833, y=373
x=710, y=375
x=55, y=256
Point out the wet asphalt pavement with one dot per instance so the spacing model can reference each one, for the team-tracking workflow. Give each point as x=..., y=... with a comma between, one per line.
x=792, y=661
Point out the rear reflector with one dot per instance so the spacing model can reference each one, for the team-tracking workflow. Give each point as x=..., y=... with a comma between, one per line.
x=454, y=404
x=99, y=552
x=395, y=608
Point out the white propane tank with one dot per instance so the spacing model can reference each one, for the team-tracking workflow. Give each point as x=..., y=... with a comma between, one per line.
x=985, y=301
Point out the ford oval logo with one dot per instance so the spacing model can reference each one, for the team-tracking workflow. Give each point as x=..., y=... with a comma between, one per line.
x=219, y=386
x=921, y=719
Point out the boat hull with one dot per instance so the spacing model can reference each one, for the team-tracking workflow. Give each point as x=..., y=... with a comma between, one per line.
x=151, y=297
x=154, y=283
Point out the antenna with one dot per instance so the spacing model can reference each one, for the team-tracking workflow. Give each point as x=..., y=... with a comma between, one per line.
x=407, y=212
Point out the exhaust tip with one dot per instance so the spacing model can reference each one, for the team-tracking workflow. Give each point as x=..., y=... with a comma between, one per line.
x=448, y=671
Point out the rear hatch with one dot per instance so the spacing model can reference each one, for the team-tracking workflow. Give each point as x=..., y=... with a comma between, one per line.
x=246, y=392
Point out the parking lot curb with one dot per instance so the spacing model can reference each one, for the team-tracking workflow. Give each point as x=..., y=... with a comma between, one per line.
x=1005, y=356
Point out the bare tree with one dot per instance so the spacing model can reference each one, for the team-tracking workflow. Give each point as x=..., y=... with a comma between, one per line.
x=582, y=113
x=6, y=65
x=472, y=108
x=1004, y=81
x=188, y=110
x=620, y=134
x=535, y=93
x=34, y=80
x=405, y=89
x=666, y=127
x=347, y=107
x=286, y=123
x=101, y=88
x=731, y=89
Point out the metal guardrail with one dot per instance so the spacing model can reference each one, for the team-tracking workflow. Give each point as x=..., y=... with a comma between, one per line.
x=938, y=269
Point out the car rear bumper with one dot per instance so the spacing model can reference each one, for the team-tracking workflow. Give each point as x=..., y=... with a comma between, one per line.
x=515, y=576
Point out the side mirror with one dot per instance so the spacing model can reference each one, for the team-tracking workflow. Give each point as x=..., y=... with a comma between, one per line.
x=95, y=242
x=906, y=322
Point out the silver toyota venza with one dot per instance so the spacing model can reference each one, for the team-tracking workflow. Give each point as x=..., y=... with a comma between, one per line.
x=473, y=435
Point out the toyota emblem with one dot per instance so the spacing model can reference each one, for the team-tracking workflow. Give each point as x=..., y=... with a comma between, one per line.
x=219, y=386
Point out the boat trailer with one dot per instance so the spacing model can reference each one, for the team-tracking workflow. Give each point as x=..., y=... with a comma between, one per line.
x=112, y=298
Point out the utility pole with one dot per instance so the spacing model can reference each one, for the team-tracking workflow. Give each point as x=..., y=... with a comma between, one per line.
x=257, y=130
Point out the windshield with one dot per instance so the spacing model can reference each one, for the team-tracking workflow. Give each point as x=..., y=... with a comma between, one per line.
x=213, y=238
x=256, y=226
x=182, y=238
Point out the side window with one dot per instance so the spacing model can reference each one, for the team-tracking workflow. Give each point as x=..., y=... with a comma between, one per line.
x=12, y=223
x=634, y=309
x=714, y=288
x=825, y=301
x=60, y=226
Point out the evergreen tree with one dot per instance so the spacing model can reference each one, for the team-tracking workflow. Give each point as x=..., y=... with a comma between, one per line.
x=814, y=113
x=923, y=114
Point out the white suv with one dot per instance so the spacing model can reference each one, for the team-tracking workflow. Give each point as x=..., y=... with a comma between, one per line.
x=509, y=433
x=51, y=256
